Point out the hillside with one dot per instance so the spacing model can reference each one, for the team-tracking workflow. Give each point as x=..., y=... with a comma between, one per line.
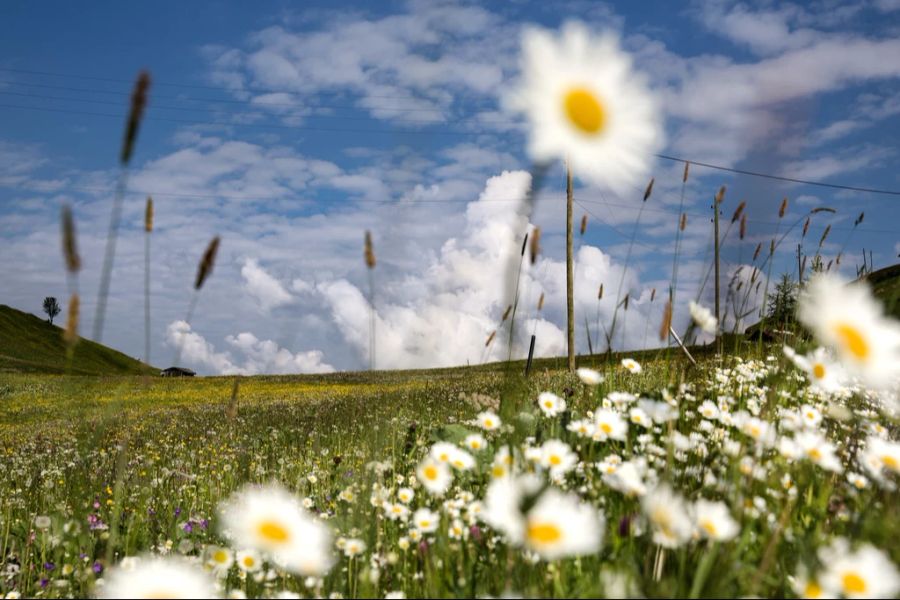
x=30, y=344
x=886, y=286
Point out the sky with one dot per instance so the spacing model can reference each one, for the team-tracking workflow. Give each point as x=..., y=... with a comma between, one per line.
x=289, y=129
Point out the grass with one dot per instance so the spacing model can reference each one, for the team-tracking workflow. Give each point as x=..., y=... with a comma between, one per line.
x=151, y=459
x=30, y=344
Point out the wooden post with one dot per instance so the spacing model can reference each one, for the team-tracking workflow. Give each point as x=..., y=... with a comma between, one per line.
x=530, y=356
x=716, y=250
x=570, y=272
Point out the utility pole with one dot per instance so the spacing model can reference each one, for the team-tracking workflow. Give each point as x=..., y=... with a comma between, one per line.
x=570, y=272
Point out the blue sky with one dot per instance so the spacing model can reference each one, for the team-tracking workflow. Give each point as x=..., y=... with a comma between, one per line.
x=291, y=128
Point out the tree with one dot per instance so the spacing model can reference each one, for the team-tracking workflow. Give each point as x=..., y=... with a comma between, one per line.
x=51, y=307
x=783, y=303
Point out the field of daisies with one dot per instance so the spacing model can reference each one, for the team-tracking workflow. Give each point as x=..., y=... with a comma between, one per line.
x=765, y=470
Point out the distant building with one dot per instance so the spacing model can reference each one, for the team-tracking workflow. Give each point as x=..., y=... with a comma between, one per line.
x=177, y=372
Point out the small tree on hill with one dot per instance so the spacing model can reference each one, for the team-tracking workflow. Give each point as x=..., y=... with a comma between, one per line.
x=51, y=307
x=783, y=303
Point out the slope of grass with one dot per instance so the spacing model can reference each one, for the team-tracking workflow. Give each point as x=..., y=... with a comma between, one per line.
x=886, y=286
x=29, y=344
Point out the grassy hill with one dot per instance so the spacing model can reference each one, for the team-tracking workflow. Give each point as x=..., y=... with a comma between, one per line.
x=29, y=344
x=886, y=286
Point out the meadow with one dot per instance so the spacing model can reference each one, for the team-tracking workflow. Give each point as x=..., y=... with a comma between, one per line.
x=98, y=469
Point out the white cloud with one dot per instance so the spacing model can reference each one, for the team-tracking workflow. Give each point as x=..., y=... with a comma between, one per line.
x=259, y=356
x=264, y=288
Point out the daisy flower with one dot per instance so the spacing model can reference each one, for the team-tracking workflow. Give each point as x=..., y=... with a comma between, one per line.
x=584, y=103
x=396, y=511
x=863, y=573
x=632, y=365
x=668, y=515
x=354, y=547
x=271, y=519
x=475, y=442
x=627, y=477
x=583, y=427
x=704, y=318
x=560, y=525
x=488, y=421
x=151, y=577
x=639, y=417
x=503, y=501
x=609, y=425
x=589, y=376
x=848, y=319
x=714, y=521
x=816, y=448
x=558, y=457
x=405, y=495
x=248, y=561
x=551, y=404
x=810, y=416
x=220, y=559
x=881, y=455
x=426, y=521
x=435, y=476
x=823, y=373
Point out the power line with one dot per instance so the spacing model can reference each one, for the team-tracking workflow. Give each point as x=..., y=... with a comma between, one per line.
x=780, y=177
x=430, y=131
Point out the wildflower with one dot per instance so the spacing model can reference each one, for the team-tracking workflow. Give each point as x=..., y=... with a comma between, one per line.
x=626, y=478
x=848, y=319
x=560, y=525
x=435, y=476
x=881, y=454
x=584, y=103
x=589, y=376
x=220, y=559
x=396, y=510
x=551, y=404
x=817, y=449
x=823, y=373
x=863, y=573
x=810, y=416
x=704, y=318
x=659, y=412
x=405, y=495
x=583, y=427
x=639, y=417
x=558, y=457
x=488, y=421
x=426, y=521
x=42, y=522
x=270, y=519
x=354, y=547
x=708, y=410
x=610, y=425
x=632, y=365
x=475, y=442
x=668, y=515
x=714, y=521
x=147, y=577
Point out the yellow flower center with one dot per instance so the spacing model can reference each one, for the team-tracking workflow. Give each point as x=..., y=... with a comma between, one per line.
x=220, y=556
x=273, y=532
x=815, y=454
x=709, y=527
x=444, y=457
x=548, y=404
x=891, y=462
x=249, y=562
x=430, y=472
x=584, y=110
x=488, y=423
x=606, y=427
x=853, y=583
x=498, y=471
x=544, y=533
x=424, y=523
x=812, y=590
x=818, y=370
x=853, y=340
x=555, y=460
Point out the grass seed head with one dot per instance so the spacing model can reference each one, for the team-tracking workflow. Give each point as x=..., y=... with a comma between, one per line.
x=683, y=223
x=583, y=224
x=148, y=215
x=666, y=321
x=204, y=270
x=535, y=247
x=70, y=247
x=687, y=168
x=368, y=252
x=743, y=225
x=649, y=189
x=720, y=195
x=783, y=207
x=738, y=211
x=70, y=333
x=138, y=103
x=540, y=305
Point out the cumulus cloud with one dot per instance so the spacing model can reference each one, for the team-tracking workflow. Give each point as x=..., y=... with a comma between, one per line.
x=262, y=287
x=259, y=356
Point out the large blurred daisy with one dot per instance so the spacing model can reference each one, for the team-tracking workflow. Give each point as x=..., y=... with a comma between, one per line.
x=585, y=104
x=848, y=319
